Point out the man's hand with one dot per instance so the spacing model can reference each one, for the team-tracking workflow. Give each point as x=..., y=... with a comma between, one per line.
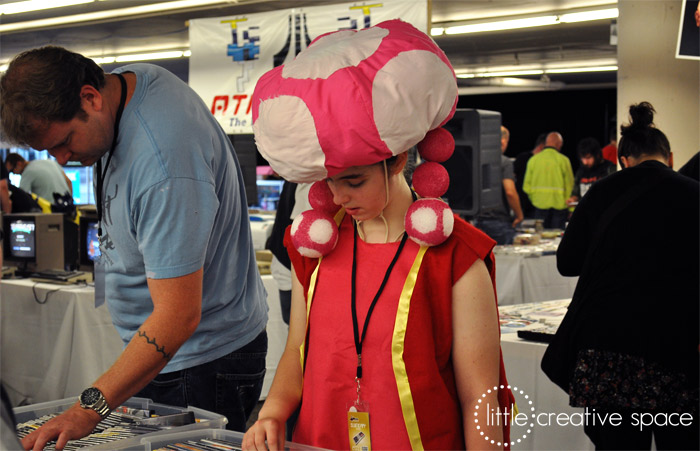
x=517, y=220
x=571, y=201
x=72, y=424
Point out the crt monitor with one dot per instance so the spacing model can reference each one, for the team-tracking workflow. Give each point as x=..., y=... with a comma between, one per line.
x=40, y=241
x=89, y=241
x=21, y=240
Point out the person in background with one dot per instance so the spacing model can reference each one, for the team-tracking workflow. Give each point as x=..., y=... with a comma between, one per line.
x=41, y=177
x=629, y=341
x=497, y=222
x=548, y=182
x=380, y=325
x=593, y=168
x=5, y=201
x=610, y=150
x=519, y=167
x=177, y=257
x=293, y=200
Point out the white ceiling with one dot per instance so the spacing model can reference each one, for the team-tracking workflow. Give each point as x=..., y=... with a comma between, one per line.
x=564, y=42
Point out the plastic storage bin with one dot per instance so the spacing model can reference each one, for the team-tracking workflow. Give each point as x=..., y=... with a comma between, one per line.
x=204, y=419
x=155, y=442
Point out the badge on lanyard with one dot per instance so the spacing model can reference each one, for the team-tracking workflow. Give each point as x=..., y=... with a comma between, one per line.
x=358, y=426
x=358, y=411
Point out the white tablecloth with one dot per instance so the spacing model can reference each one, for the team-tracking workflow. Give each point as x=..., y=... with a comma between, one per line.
x=522, y=361
x=522, y=278
x=53, y=350
x=276, y=333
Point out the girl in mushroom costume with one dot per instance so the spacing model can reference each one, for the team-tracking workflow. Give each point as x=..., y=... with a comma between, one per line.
x=343, y=113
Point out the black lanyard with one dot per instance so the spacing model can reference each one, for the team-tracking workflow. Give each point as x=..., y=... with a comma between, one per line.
x=358, y=339
x=101, y=174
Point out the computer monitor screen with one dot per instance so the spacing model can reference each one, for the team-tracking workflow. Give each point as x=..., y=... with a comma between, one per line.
x=89, y=241
x=268, y=194
x=22, y=239
x=92, y=242
x=81, y=178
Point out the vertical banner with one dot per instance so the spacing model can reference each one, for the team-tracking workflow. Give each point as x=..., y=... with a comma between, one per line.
x=229, y=54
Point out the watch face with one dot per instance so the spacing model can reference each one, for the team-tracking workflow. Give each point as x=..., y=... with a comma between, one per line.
x=90, y=396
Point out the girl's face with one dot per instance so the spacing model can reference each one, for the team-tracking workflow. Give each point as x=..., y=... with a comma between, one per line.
x=360, y=190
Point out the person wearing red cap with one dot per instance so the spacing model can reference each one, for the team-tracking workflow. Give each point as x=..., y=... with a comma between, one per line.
x=394, y=336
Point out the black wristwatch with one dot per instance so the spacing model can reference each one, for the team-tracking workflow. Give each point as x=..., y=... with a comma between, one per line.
x=92, y=398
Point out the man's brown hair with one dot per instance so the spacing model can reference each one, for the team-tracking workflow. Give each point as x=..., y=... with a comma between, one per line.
x=42, y=86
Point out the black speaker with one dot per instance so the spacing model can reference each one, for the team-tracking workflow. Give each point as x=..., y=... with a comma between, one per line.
x=246, y=152
x=475, y=165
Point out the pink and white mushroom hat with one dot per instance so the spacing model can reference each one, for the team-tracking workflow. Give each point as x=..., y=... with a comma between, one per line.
x=355, y=98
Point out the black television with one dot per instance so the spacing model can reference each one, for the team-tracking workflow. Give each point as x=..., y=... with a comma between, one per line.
x=89, y=242
x=475, y=165
x=40, y=241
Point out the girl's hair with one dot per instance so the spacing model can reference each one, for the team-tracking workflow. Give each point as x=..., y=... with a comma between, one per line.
x=641, y=137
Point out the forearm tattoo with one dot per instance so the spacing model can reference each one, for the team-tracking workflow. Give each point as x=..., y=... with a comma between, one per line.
x=152, y=341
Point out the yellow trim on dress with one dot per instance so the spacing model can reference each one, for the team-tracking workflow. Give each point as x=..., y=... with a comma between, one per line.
x=397, y=349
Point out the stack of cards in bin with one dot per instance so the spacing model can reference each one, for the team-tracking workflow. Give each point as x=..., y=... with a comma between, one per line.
x=203, y=444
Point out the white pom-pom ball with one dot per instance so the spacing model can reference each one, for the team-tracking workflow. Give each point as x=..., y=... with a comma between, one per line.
x=314, y=233
x=429, y=222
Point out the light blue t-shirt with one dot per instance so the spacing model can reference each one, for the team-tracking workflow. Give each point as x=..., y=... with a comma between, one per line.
x=174, y=202
x=43, y=178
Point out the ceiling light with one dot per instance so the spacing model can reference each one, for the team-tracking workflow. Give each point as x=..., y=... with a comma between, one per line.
x=168, y=54
x=122, y=13
x=143, y=55
x=104, y=60
x=149, y=56
x=37, y=5
x=513, y=73
x=502, y=25
x=527, y=22
x=572, y=70
x=575, y=67
x=584, y=16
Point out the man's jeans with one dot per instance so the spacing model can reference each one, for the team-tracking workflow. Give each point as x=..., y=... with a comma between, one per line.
x=500, y=231
x=229, y=386
x=553, y=218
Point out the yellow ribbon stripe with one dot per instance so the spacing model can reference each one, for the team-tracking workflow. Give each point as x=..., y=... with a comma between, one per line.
x=397, y=348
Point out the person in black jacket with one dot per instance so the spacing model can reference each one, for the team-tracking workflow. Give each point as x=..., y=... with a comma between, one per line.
x=629, y=341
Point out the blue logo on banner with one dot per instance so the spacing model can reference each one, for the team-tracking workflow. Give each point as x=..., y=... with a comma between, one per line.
x=249, y=49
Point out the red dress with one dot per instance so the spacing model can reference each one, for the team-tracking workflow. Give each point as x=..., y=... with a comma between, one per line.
x=408, y=379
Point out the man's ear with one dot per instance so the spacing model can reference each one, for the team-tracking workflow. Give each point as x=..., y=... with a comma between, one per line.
x=91, y=98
